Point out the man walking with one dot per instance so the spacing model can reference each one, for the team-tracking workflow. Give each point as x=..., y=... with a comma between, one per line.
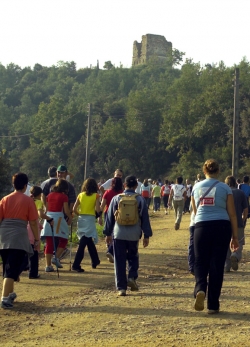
x=241, y=208
x=126, y=237
x=108, y=184
x=51, y=174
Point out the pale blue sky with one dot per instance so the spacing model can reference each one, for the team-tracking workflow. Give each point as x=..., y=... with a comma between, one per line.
x=46, y=31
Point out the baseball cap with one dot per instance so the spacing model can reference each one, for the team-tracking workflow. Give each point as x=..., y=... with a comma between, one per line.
x=62, y=168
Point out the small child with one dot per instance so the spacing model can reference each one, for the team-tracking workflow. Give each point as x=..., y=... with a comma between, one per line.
x=36, y=193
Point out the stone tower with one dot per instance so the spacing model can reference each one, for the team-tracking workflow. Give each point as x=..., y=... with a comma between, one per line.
x=150, y=46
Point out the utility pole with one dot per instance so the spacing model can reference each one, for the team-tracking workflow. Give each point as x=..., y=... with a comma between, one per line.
x=235, y=157
x=86, y=170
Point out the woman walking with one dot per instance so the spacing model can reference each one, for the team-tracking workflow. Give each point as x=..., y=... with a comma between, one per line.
x=106, y=199
x=16, y=209
x=86, y=206
x=215, y=225
x=145, y=191
x=178, y=195
x=56, y=204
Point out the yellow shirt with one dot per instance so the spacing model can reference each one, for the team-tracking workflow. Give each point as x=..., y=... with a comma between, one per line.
x=87, y=203
x=39, y=204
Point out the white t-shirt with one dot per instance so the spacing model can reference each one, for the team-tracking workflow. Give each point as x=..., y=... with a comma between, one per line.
x=138, y=189
x=27, y=191
x=107, y=185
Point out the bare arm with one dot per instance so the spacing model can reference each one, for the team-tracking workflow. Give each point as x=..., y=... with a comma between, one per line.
x=101, y=190
x=67, y=212
x=245, y=214
x=44, y=201
x=75, y=207
x=34, y=228
x=97, y=205
x=103, y=204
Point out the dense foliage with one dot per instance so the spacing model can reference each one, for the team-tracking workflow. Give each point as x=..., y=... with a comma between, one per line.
x=151, y=120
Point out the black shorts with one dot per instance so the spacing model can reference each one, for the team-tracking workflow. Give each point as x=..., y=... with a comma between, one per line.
x=12, y=262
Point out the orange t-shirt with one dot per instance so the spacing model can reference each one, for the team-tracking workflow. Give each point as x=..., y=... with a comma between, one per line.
x=18, y=206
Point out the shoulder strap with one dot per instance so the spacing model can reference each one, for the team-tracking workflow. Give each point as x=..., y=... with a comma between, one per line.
x=205, y=194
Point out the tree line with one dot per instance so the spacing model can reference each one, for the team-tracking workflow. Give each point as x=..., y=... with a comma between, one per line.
x=154, y=120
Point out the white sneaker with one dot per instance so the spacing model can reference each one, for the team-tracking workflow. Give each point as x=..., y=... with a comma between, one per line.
x=49, y=268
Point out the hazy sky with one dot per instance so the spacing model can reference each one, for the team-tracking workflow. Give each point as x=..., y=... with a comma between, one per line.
x=46, y=31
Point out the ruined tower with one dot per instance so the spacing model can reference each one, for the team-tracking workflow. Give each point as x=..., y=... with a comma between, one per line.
x=150, y=46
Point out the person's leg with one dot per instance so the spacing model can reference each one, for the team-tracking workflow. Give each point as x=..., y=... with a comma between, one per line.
x=175, y=205
x=80, y=253
x=120, y=258
x=92, y=252
x=241, y=237
x=61, y=245
x=34, y=262
x=221, y=235
x=191, y=256
x=180, y=206
x=149, y=202
x=227, y=265
x=202, y=252
x=133, y=259
x=13, y=259
x=155, y=204
x=158, y=203
x=49, y=250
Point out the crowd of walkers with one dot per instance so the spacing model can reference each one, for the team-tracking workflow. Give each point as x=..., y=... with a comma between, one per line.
x=218, y=213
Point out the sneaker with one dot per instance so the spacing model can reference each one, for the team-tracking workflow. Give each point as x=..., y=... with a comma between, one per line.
x=56, y=262
x=132, y=284
x=213, y=311
x=122, y=292
x=199, y=301
x=64, y=254
x=7, y=304
x=12, y=297
x=176, y=226
x=234, y=262
x=49, y=268
x=77, y=269
x=110, y=257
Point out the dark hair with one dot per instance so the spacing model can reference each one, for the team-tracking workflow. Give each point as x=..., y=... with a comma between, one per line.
x=131, y=181
x=116, y=184
x=90, y=186
x=230, y=181
x=52, y=171
x=179, y=180
x=35, y=191
x=166, y=181
x=145, y=182
x=19, y=180
x=246, y=179
x=238, y=180
x=211, y=166
x=61, y=186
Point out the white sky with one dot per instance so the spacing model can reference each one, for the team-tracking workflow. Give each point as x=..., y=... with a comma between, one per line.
x=47, y=31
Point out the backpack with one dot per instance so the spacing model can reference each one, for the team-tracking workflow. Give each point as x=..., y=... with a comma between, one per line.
x=178, y=192
x=127, y=213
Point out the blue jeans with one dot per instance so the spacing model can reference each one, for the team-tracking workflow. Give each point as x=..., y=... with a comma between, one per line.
x=157, y=203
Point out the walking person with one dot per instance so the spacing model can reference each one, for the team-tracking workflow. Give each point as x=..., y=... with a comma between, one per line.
x=127, y=233
x=107, y=185
x=56, y=206
x=16, y=209
x=145, y=191
x=156, y=195
x=188, y=196
x=241, y=208
x=165, y=192
x=86, y=206
x=178, y=196
x=215, y=226
x=106, y=199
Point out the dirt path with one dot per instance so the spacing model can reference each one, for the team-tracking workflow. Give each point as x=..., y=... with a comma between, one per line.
x=84, y=310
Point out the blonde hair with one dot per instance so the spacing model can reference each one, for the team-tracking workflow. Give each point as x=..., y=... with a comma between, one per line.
x=211, y=167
